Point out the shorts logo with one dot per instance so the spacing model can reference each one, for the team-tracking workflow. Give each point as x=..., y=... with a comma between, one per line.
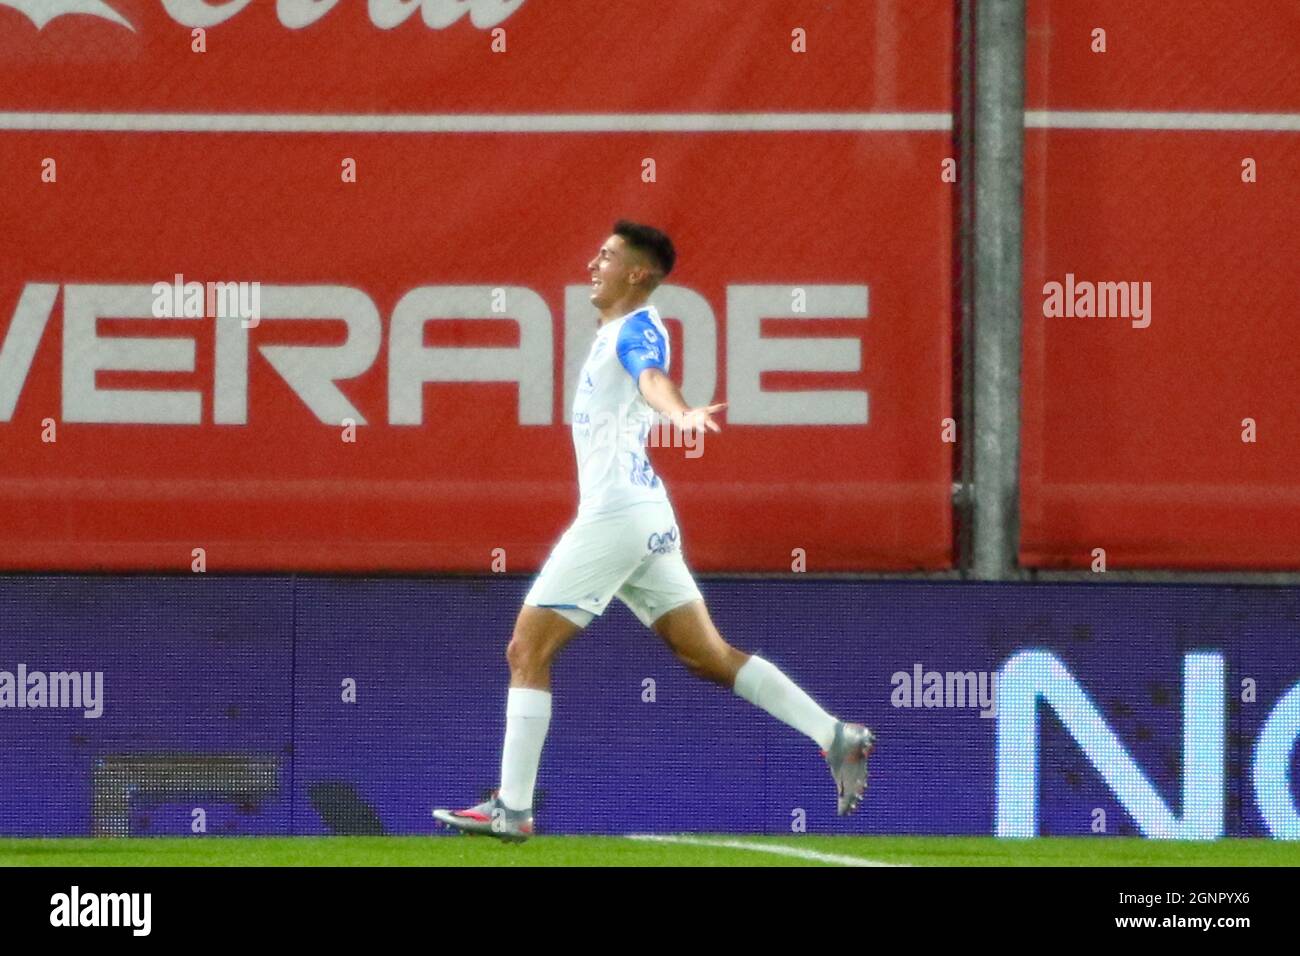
x=665, y=543
x=651, y=335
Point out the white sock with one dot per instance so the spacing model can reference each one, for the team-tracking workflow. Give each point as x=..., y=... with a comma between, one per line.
x=763, y=685
x=528, y=715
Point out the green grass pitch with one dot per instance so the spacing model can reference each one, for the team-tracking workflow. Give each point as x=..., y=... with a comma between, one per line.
x=701, y=850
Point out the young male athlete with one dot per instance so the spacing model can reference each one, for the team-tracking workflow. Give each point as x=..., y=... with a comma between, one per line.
x=625, y=543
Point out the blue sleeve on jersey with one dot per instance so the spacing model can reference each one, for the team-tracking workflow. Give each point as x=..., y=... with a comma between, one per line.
x=640, y=346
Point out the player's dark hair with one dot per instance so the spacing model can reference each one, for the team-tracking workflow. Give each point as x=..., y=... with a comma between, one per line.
x=648, y=240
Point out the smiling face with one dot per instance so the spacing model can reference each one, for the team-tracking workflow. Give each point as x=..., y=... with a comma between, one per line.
x=617, y=273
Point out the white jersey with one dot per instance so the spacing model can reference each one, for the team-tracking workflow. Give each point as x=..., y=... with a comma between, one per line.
x=612, y=421
x=614, y=549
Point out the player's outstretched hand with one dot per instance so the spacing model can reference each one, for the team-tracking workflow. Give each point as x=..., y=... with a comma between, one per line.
x=694, y=419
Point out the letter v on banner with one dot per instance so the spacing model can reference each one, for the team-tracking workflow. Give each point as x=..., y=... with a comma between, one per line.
x=1033, y=675
x=18, y=348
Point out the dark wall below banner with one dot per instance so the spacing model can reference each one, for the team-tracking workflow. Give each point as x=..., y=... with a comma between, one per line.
x=313, y=706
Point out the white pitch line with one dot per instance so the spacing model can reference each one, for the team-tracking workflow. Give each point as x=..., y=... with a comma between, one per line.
x=477, y=122
x=777, y=849
x=1222, y=122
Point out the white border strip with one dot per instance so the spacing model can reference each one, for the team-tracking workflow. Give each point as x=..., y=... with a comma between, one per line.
x=1252, y=122
x=478, y=122
x=623, y=122
x=776, y=849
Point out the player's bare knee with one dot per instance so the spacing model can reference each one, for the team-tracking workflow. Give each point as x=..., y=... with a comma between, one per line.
x=693, y=664
x=522, y=654
x=721, y=667
x=710, y=667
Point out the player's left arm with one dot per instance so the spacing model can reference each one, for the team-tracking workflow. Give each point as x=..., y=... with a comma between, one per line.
x=662, y=394
x=642, y=353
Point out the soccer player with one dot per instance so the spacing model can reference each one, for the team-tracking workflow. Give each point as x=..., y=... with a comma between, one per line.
x=624, y=543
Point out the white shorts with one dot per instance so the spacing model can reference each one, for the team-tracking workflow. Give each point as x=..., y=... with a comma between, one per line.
x=634, y=554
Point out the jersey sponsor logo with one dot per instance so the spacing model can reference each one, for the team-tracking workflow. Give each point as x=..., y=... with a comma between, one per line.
x=662, y=543
x=641, y=473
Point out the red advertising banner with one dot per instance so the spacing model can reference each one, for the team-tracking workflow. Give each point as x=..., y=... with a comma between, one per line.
x=1161, y=354
x=409, y=193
